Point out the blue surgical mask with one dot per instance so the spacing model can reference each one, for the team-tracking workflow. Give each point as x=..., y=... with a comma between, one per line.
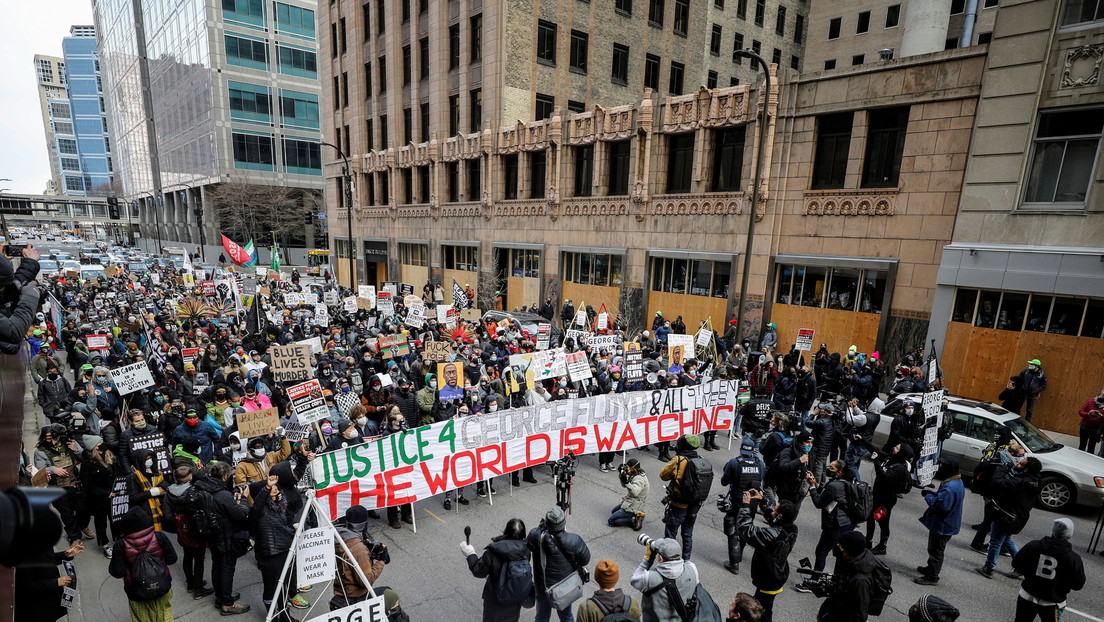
x=806, y=449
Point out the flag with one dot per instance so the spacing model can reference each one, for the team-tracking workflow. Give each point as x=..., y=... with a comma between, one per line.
x=252, y=252
x=188, y=276
x=275, y=267
x=459, y=298
x=237, y=254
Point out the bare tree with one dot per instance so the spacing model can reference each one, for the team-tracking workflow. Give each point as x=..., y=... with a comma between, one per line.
x=488, y=285
x=254, y=211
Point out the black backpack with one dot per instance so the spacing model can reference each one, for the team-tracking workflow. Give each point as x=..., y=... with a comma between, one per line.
x=149, y=578
x=696, y=480
x=200, y=513
x=515, y=581
x=860, y=501
x=882, y=587
x=620, y=615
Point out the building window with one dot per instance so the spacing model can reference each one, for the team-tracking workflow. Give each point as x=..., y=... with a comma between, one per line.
x=475, y=109
x=991, y=3
x=829, y=64
x=297, y=62
x=834, y=26
x=302, y=157
x=405, y=11
x=682, y=17
x=67, y=146
x=578, y=57
x=253, y=152
x=651, y=72
x=510, y=176
x=584, y=170
x=70, y=164
x=832, y=146
x=776, y=56
x=984, y=37
x=413, y=254
x=423, y=58
x=385, y=134
x=344, y=40
x=406, y=176
x=546, y=42
x=408, y=126
x=474, y=179
x=592, y=269
x=862, y=25
x=680, y=162
x=423, y=122
x=454, y=114
x=336, y=92
x=741, y=9
x=522, y=262
x=711, y=80
x=885, y=141
x=452, y=173
x=655, y=12
x=381, y=14
x=369, y=135
x=63, y=127
x=858, y=59
x=728, y=159
x=1064, y=157
x=674, y=85
x=407, y=66
x=760, y=11
x=619, y=73
x=545, y=105
x=958, y=7
x=619, y=167
x=846, y=289
x=476, y=38
x=244, y=11
x=780, y=22
x=368, y=79
x=382, y=64
x=575, y=106
x=242, y=52
x=345, y=87
x=72, y=182
x=737, y=45
x=623, y=6
x=893, y=16
x=951, y=43
x=538, y=167
x=296, y=21
x=715, y=40
x=366, y=16
x=795, y=62
x=460, y=257
x=690, y=276
x=60, y=110
x=249, y=102
x=454, y=46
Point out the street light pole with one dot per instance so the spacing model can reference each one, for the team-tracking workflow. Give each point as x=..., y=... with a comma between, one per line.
x=764, y=101
x=346, y=172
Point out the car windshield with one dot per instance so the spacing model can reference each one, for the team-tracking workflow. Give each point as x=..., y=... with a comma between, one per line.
x=47, y=265
x=1032, y=437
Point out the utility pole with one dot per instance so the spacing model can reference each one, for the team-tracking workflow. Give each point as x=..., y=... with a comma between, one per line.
x=346, y=173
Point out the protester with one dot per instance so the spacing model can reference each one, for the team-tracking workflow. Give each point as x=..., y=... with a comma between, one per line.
x=39, y=586
x=507, y=555
x=854, y=586
x=1050, y=570
x=608, y=599
x=1032, y=383
x=1015, y=489
x=943, y=518
x=770, y=568
x=1092, y=422
x=831, y=498
x=277, y=508
x=682, y=508
x=556, y=554
x=230, y=540
x=145, y=551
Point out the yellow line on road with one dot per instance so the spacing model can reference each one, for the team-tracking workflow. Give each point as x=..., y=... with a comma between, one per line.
x=433, y=515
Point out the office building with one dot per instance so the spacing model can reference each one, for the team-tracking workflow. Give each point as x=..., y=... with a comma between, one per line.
x=57, y=119
x=89, y=115
x=205, y=95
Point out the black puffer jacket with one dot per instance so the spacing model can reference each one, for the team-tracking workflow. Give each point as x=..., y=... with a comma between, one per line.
x=408, y=406
x=273, y=529
x=231, y=518
x=496, y=555
x=770, y=567
x=788, y=473
x=1014, y=491
x=824, y=434
x=575, y=554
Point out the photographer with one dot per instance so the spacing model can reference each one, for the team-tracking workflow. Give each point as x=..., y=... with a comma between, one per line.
x=769, y=566
x=831, y=498
x=663, y=565
x=556, y=554
x=741, y=474
x=59, y=456
x=370, y=555
x=859, y=426
x=853, y=586
x=631, y=509
x=823, y=429
x=18, y=303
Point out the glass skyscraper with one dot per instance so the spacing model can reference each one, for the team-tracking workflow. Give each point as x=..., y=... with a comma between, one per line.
x=93, y=175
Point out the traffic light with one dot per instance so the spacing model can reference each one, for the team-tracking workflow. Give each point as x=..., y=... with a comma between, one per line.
x=113, y=208
x=308, y=217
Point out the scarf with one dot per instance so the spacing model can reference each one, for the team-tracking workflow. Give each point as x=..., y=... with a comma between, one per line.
x=153, y=502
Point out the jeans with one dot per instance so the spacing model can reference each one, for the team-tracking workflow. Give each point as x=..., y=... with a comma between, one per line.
x=998, y=538
x=853, y=458
x=544, y=608
x=829, y=538
x=1030, y=407
x=684, y=518
x=937, y=548
x=193, y=565
x=222, y=577
x=767, y=601
x=620, y=518
x=820, y=465
x=1027, y=610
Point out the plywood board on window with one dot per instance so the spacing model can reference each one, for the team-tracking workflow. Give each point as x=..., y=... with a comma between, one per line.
x=839, y=329
x=590, y=295
x=693, y=309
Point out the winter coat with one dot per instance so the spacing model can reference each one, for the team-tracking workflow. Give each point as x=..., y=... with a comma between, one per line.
x=1014, y=492
x=53, y=395
x=1033, y=383
x=806, y=393
x=1092, y=414
x=831, y=499
x=15, y=321
x=571, y=555
x=489, y=566
x=588, y=610
x=944, y=513
x=1053, y=580
x=38, y=593
x=636, y=494
x=204, y=433
x=850, y=601
x=408, y=406
x=673, y=472
x=770, y=566
x=139, y=540
x=823, y=429
x=790, y=474
x=252, y=469
x=347, y=582
x=98, y=479
x=272, y=529
x=656, y=606
x=230, y=517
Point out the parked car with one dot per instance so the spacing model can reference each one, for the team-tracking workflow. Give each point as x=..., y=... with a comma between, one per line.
x=527, y=321
x=72, y=240
x=1070, y=476
x=47, y=266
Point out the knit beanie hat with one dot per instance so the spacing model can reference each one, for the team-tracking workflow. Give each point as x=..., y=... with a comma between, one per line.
x=933, y=609
x=1062, y=529
x=90, y=441
x=555, y=520
x=853, y=542
x=606, y=574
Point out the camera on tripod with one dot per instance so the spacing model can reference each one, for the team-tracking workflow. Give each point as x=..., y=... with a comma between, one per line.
x=563, y=470
x=819, y=583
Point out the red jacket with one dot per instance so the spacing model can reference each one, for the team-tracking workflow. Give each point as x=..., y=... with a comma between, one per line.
x=1092, y=415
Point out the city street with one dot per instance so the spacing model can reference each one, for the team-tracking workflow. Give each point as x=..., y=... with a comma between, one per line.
x=429, y=572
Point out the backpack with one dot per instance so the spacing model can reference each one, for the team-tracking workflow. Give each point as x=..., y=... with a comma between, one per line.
x=770, y=443
x=882, y=587
x=515, y=581
x=696, y=480
x=860, y=501
x=622, y=613
x=149, y=578
x=200, y=512
x=700, y=608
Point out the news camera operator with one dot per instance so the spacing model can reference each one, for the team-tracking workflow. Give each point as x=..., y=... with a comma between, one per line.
x=853, y=586
x=18, y=299
x=368, y=553
x=630, y=512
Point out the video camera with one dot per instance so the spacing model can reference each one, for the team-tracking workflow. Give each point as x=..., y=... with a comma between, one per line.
x=819, y=583
x=563, y=472
x=28, y=525
x=377, y=551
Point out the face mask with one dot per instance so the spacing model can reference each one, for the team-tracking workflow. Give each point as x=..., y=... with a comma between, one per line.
x=362, y=421
x=346, y=389
x=563, y=383
x=376, y=386
x=492, y=408
x=101, y=380
x=52, y=376
x=159, y=400
x=149, y=464
x=192, y=422
x=259, y=452
x=351, y=433
x=140, y=426
x=806, y=449
x=235, y=446
x=464, y=413
x=396, y=425
x=326, y=429
x=909, y=411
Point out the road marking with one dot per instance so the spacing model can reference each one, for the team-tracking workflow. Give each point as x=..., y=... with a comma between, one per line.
x=1080, y=613
x=442, y=520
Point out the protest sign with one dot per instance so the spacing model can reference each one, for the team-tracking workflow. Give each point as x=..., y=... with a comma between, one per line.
x=292, y=299
x=321, y=315
x=295, y=431
x=257, y=422
x=208, y=288
x=471, y=315
x=309, y=298
x=315, y=561
x=290, y=361
x=581, y=317
x=131, y=378
x=366, y=291
x=405, y=289
x=443, y=313
x=120, y=499
x=578, y=367
x=306, y=401
x=450, y=381
x=349, y=304
x=330, y=297
x=371, y=610
x=804, y=339
x=391, y=346
x=155, y=442
x=634, y=365
x=385, y=380
x=602, y=322
x=547, y=364
x=420, y=463
x=391, y=287
x=314, y=343
x=411, y=300
x=385, y=302
x=679, y=348
x=96, y=342
x=928, y=461
x=416, y=315
x=189, y=355
x=578, y=337
x=365, y=303
x=609, y=343
x=704, y=338
x=436, y=350
x=201, y=382
x=544, y=335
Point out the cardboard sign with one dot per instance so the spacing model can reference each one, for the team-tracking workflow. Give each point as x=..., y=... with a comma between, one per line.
x=314, y=343
x=471, y=315
x=257, y=422
x=393, y=346
x=189, y=355
x=155, y=442
x=111, y=271
x=96, y=342
x=416, y=315
x=131, y=378
x=372, y=610
x=578, y=367
x=450, y=381
x=411, y=300
x=804, y=339
x=405, y=289
x=704, y=338
x=310, y=299
x=544, y=335
x=315, y=560
x=307, y=402
x=438, y=351
x=365, y=303
x=291, y=362
x=385, y=302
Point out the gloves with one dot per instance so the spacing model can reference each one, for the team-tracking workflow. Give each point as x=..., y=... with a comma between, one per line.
x=467, y=549
x=155, y=492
